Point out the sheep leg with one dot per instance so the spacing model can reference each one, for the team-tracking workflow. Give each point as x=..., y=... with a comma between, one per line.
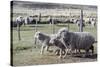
x=35, y=41
x=42, y=49
x=75, y=51
x=71, y=51
x=92, y=48
x=65, y=53
x=60, y=53
x=57, y=52
x=86, y=53
x=47, y=48
x=64, y=44
x=79, y=51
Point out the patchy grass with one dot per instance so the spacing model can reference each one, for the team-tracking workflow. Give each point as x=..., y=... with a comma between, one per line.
x=25, y=52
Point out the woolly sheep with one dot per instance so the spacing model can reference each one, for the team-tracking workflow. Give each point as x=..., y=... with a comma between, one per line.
x=77, y=40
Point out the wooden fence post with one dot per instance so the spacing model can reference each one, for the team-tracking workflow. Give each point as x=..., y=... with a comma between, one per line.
x=53, y=27
x=37, y=20
x=81, y=21
x=35, y=40
x=18, y=30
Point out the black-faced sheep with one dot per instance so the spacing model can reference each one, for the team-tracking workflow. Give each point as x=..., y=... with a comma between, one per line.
x=61, y=48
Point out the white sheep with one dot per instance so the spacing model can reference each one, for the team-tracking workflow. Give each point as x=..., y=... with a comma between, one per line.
x=20, y=20
x=44, y=40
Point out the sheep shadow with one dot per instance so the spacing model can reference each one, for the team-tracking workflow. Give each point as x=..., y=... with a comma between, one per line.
x=94, y=56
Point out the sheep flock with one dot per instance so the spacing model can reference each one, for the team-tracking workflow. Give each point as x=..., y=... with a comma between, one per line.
x=66, y=42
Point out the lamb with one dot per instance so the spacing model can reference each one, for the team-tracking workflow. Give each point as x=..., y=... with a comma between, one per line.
x=77, y=40
x=61, y=48
x=44, y=40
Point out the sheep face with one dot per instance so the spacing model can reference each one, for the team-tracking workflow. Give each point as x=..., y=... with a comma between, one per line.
x=62, y=31
x=38, y=35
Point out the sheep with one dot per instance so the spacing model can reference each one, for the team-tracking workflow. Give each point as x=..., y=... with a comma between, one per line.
x=30, y=20
x=44, y=40
x=20, y=20
x=92, y=22
x=61, y=48
x=77, y=40
x=78, y=23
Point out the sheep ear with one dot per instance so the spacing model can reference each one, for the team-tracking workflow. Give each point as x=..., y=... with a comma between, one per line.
x=39, y=33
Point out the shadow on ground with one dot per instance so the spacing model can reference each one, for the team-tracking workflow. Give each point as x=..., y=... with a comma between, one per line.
x=94, y=56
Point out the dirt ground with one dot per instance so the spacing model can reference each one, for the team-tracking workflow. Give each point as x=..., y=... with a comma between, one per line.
x=33, y=57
